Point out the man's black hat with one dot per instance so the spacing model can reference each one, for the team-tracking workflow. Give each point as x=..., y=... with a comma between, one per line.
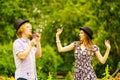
x=19, y=22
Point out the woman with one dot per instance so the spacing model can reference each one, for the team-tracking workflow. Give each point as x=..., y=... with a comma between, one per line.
x=25, y=52
x=84, y=50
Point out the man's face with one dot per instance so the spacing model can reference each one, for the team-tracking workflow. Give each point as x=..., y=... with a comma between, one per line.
x=28, y=29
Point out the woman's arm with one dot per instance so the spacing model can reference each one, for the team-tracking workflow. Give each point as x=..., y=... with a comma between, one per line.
x=101, y=58
x=66, y=48
x=59, y=46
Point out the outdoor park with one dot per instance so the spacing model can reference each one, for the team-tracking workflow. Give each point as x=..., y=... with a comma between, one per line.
x=46, y=16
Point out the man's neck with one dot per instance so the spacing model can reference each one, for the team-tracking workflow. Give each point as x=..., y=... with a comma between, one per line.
x=25, y=37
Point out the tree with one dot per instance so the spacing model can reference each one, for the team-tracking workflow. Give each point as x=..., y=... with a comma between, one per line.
x=48, y=15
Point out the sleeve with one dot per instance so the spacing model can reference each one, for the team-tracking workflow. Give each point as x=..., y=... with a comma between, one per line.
x=76, y=43
x=95, y=48
x=17, y=47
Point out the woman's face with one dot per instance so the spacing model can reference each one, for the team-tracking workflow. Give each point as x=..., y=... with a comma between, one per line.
x=28, y=29
x=82, y=35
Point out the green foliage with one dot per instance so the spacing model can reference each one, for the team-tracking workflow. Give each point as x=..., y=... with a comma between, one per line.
x=69, y=76
x=118, y=64
x=106, y=74
x=68, y=64
x=7, y=66
x=48, y=63
x=48, y=15
x=50, y=76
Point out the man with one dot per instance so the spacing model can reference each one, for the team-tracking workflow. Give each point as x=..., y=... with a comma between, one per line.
x=25, y=50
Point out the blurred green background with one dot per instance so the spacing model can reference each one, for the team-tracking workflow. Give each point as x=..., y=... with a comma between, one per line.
x=103, y=16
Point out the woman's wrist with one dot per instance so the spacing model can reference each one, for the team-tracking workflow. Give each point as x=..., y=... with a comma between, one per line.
x=57, y=41
x=108, y=49
x=57, y=35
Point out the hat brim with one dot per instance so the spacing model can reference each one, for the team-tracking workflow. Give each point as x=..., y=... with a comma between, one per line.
x=23, y=23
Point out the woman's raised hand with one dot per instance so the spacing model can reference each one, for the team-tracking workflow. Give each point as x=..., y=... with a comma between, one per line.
x=59, y=31
x=107, y=44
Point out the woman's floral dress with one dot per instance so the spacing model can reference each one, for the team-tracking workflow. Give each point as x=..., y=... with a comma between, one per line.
x=83, y=69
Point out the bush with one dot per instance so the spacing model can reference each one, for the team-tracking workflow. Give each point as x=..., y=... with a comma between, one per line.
x=48, y=63
x=7, y=66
